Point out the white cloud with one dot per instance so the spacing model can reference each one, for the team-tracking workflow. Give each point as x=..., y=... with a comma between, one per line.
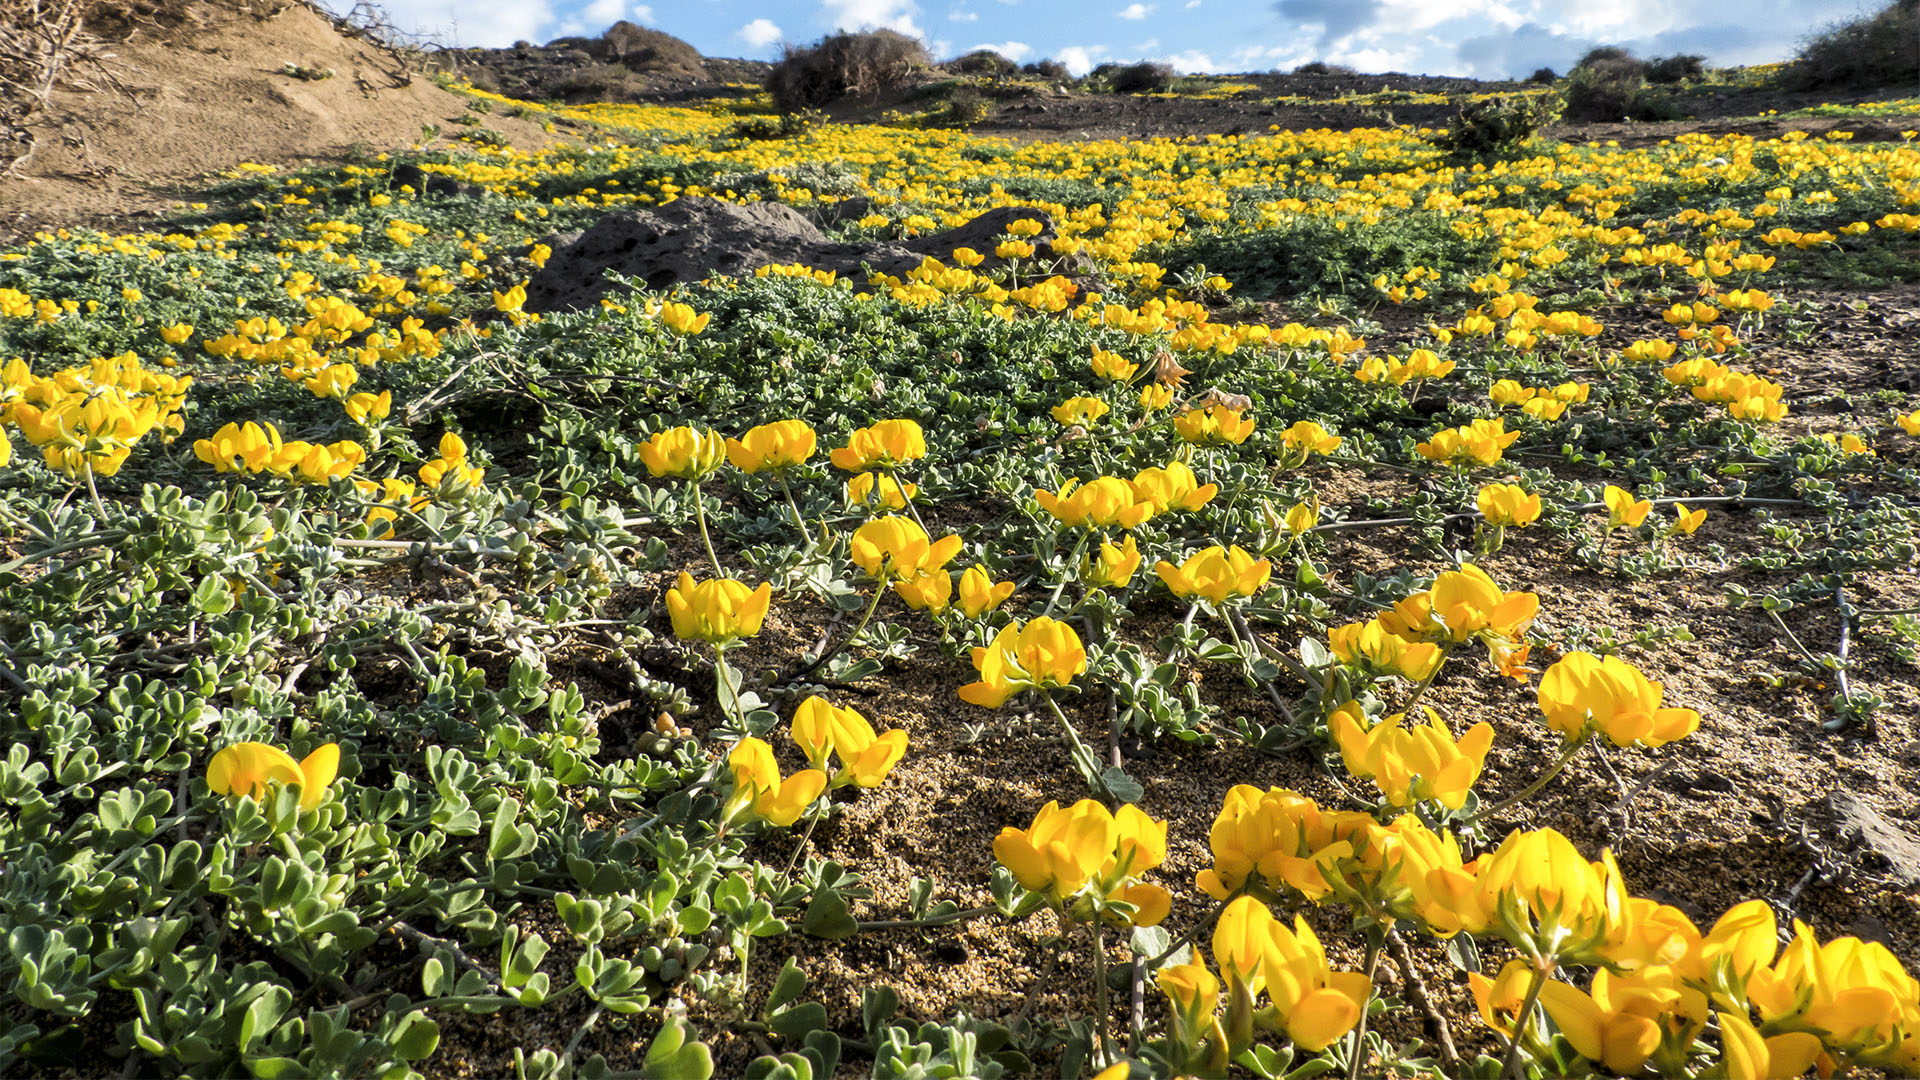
x=456, y=22
x=1012, y=50
x=873, y=15
x=1136, y=11
x=1080, y=59
x=1147, y=46
x=643, y=14
x=759, y=33
x=601, y=14
x=1191, y=4
x=957, y=15
x=1193, y=60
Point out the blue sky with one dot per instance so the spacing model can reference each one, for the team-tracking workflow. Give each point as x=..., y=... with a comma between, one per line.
x=1483, y=38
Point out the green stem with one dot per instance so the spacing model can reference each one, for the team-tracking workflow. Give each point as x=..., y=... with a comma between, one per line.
x=948, y=919
x=1510, y=1066
x=1071, y=571
x=1376, y=939
x=794, y=506
x=805, y=838
x=879, y=590
x=1195, y=930
x=1567, y=752
x=1082, y=757
x=93, y=490
x=700, y=515
x=1100, y=993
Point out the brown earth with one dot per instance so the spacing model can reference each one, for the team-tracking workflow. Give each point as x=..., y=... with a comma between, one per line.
x=197, y=87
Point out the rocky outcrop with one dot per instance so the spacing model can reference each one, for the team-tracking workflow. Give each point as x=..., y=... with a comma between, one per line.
x=690, y=239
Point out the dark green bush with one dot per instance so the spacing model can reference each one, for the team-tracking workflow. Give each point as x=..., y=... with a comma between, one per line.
x=1048, y=69
x=844, y=65
x=1145, y=77
x=1494, y=127
x=1873, y=52
x=1610, y=84
x=1543, y=76
x=982, y=62
x=1673, y=69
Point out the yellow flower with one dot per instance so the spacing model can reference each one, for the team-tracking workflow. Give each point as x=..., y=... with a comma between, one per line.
x=929, y=590
x=1172, y=488
x=176, y=333
x=1623, y=510
x=865, y=758
x=897, y=548
x=1101, y=504
x=1062, y=850
x=1506, y=504
x=758, y=790
x=1371, y=645
x=1537, y=892
x=1303, y=516
x=1216, y=425
x=979, y=593
x=1465, y=603
x=1583, y=692
x=362, y=407
x=682, y=319
x=248, y=447
x=1411, y=764
x=1909, y=422
x=1685, y=520
x=1154, y=397
x=1194, y=995
x=1854, y=994
x=1081, y=411
x=512, y=300
x=717, y=611
x=1111, y=567
x=1112, y=366
x=879, y=491
x=1312, y=1004
x=683, y=452
x=1477, y=443
x=1013, y=249
x=1620, y=1040
x=246, y=768
x=1308, y=437
x=1746, y=1055
x=782, y=444
x=1216, y=574
x=1041, y=655
x=887, y=444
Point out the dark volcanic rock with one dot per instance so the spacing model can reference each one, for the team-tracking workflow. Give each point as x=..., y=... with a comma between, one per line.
x=1892, y=842
x=689, y=239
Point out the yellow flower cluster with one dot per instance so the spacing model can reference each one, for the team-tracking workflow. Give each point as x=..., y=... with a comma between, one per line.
x=86, y=420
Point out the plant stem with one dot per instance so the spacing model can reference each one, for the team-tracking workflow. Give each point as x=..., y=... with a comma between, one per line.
x=1376, y=938
x=1100, y=992
x=93, y=490
x=1195, y=930
x=1071, y=570
x=1567, y=752
x=794, y=506
x=879, y=590
x=1510, y=1066
x=700, y=515
x=948, y=919
x=1082, y=757
x=793, y=859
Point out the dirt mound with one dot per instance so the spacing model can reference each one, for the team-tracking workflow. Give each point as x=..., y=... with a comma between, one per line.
x=625, y=63
x=186, y=88
x=688, y=239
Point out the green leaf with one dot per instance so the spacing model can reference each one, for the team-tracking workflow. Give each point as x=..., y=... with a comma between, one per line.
x=213, y=597
x=787, y=987
x=797, y=1020
x=1120, y=786
x=827, y=917
x=417, y=1038
x=674, y=1055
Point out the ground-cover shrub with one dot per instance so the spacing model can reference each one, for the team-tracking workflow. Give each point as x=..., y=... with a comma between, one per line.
x=637, y=630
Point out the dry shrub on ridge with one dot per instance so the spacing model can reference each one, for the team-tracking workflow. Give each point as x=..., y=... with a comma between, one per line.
x=1872, y=52
x=844, y=65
